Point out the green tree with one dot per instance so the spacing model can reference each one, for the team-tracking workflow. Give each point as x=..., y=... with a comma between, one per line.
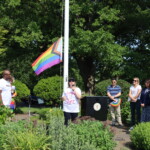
x=107, y=38
x=3, y=47
x=93, y=44
x=31, y=30
x=133, y=31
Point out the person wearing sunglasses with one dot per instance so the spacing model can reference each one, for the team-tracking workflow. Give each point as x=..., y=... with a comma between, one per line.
x=71, y=97
x=114, y=93
x=145, y=102
x=134, y=99
x=5, y=88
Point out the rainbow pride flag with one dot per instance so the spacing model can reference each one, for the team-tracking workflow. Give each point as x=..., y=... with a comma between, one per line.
x=49, y=58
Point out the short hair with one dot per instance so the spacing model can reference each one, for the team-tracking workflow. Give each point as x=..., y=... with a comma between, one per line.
x=3, y=73
x=72, y=79
x=113, y=79
x=148, y=81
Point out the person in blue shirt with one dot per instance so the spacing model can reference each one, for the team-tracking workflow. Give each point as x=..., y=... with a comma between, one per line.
x=145, y=102
x=114, y=93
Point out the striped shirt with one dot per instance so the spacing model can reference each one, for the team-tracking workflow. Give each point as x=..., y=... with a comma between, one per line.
x=114, y=90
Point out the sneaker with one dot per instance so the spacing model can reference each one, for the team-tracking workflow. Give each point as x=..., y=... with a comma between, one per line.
x=120, y=125
x=131, y=129
x=112, y=124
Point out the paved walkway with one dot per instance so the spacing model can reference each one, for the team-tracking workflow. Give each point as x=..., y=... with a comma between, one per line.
x=18, y=117
x=122, y=138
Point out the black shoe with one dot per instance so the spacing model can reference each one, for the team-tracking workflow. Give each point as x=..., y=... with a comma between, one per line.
x=113, y=124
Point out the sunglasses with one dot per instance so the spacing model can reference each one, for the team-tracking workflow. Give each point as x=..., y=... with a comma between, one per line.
x=135, y=80
x=7, y=74
x=71, y=80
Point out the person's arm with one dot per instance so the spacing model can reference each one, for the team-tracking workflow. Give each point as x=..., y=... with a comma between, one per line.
x=111, y=97
x=130, y=95
x=63, y=98
x=77, y=92
x=117, y=95
x=108, y=93
x=138, y=93
x=1, y=97
x=142, y=99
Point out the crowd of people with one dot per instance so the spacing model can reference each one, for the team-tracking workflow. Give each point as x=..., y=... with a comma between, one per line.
x=137, y=97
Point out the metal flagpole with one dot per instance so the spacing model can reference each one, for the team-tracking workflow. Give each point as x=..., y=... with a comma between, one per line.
x=66, y=44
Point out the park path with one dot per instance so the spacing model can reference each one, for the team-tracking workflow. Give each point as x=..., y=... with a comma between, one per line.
x=122, y=138
x=121, y=135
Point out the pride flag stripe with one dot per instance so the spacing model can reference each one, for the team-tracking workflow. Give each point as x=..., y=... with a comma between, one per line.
x=55, y=62
x=49, y=58
x=42, y=61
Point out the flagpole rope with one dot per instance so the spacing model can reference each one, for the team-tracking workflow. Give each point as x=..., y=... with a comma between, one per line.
x=62, y=22
x=62, y=14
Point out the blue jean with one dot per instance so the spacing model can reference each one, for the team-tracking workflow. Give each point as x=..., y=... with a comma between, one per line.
x=135, y=106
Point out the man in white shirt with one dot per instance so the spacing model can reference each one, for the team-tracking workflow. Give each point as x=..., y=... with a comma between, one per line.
x=5, y=88
x=71, y=97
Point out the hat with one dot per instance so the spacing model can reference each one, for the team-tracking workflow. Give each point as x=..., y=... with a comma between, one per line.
x=72, y=79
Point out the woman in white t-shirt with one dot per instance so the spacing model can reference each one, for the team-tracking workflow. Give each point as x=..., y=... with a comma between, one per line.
x=134, y=98
x=71, y=97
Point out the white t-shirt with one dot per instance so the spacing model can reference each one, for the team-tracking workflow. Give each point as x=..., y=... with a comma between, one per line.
x=134, y=91
x=71, y=104
x=5, y=87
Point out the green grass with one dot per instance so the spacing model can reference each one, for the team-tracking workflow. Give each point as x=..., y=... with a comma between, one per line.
x=25, y=110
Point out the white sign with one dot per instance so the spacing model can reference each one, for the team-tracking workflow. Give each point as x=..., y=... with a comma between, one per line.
x=97, y=106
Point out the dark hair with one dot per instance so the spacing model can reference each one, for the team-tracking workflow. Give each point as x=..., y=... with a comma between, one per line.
x=148, y=81
x=72, y=79
x=113, y=79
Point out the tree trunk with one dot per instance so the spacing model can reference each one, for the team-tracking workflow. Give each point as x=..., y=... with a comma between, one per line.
x=87, y=69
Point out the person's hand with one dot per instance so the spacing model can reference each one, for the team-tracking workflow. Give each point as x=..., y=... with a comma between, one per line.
x=133, y=100
x=111, y=97
x=114, y=100
x=142, y=105
x=73, y=88
x=63, y=98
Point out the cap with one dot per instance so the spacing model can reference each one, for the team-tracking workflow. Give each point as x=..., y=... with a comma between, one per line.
x=72, y=79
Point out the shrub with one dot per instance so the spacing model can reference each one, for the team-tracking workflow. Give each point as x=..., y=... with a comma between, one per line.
x=22, y=91
x=23, y=135
x=88, y=135
x=100, y=90
x=49, y=89
x=93, y=132
x=55, y=112
x=140, y=136
x=5, y=114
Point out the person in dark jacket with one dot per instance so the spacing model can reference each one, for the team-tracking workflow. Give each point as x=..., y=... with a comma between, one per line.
x=145, y=102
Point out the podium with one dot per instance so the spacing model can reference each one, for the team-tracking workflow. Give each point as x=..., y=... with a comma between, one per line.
x=95, y=106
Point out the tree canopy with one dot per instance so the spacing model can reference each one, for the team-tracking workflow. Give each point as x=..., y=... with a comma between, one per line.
x=107, y=38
